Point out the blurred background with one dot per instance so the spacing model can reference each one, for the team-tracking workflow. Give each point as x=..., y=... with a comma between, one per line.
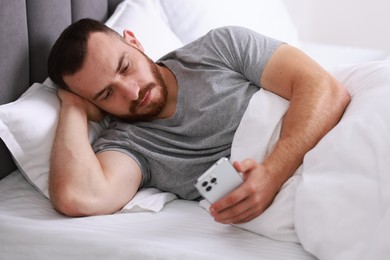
x=360, y=23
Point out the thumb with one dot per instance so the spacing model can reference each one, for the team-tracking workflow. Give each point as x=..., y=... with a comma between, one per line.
x=244, y=166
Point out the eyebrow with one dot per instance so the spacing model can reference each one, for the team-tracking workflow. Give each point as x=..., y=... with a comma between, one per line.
x=120, y=63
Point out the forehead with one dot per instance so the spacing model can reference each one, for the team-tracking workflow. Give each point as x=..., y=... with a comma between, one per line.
x=100, y=64
x=103, y=46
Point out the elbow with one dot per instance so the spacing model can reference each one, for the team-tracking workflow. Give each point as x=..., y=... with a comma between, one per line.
x=347, y=98
x=342, y=97
x=72, y=204
x=336, y=98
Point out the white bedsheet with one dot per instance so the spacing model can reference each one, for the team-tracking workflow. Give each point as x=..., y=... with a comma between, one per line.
x=31, y=229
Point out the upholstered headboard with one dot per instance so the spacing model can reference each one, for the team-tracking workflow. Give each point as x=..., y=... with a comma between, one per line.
x=28, y=29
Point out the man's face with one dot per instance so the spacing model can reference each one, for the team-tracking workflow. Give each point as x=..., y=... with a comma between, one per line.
x=119, y=78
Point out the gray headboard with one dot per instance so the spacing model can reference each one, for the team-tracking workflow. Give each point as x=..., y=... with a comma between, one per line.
x=28, y=29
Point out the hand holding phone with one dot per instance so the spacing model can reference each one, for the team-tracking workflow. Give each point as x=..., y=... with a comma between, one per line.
x=218, y=181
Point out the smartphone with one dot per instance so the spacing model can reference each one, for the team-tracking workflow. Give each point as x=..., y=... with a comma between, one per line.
x=219, y=180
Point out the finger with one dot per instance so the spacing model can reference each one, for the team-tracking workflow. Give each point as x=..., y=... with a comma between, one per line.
x=233, y=204
x=94, y=112
x=233, y=213
x=244, y=219
x=241, y=212
x=233, y=198
x=245, y=165
x=253, y=205
x=238, y=195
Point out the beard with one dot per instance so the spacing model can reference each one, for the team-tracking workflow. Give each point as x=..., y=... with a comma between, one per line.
x=154, y=108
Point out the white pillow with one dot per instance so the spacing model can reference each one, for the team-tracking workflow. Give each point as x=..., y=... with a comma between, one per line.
x=28, y=126
x=144, y=19
x=191, y=19
x=165, y=25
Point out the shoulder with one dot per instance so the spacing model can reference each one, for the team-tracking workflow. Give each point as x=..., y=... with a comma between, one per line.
x=210, y=44
x=233, y=32
x=239, y=38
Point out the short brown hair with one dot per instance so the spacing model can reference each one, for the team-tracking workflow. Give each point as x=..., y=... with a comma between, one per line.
x=69, y=51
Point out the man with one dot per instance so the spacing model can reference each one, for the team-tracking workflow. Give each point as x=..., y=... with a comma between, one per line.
x=172, y=119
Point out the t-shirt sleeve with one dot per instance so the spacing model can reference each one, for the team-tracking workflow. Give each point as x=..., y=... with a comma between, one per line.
x=244, y=50
x=105, y=143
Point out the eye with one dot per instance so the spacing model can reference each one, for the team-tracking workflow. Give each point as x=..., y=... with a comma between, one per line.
x=108, y=93
x=125, y=68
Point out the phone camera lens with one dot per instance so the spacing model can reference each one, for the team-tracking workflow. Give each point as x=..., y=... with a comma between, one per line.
x=204, y=184
x=214, y=180
x=209, y=188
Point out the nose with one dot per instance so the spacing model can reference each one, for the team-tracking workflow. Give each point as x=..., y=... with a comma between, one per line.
x=129, y=89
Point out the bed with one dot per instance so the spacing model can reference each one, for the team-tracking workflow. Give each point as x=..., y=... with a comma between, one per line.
x=330, y=218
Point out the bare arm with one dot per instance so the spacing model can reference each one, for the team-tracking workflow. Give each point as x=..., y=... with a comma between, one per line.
x=80, y=182
x=317, y=102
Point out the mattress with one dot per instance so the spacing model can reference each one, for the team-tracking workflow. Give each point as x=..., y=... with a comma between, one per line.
x=31, y=229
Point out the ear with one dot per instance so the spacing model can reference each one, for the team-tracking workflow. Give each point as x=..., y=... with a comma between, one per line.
x=132, y=40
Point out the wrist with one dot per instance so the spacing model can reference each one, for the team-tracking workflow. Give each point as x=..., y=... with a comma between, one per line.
x=70, y=109
x=280, y=166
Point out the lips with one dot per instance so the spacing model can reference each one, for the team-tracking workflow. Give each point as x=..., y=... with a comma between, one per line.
x=144, y=100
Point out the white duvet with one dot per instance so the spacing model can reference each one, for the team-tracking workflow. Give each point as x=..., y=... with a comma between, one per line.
x=343, y=200
x=337, y=203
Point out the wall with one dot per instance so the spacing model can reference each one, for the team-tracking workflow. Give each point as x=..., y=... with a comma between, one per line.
x=361, y=23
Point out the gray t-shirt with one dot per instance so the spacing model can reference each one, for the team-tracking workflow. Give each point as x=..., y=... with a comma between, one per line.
x=217, y=75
